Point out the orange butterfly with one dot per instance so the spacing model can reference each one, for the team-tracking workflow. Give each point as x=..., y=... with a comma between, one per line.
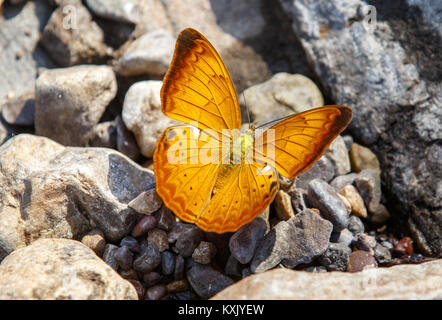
x=211, y=173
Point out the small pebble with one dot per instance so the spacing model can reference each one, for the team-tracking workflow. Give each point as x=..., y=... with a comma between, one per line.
x=338, y=154
x=165, y=218
x=232, y=267
x=131, y=243
x=283, y=205
x=382, y=254
x=129, y=274
x=355, y=225
x=144, y=225
x=244, y=241
x=404, y=247
x=336, y=257
x=341, y=181
x=159, y=238
x=204, y=252
x=167, y=262
x=151, y=278
x=364, y=242
x=156, y=292
x=188, y=239
x=362, y=158
x=146, y=202
x=179, y=268
x=177, y=286
x=139, y=287
x=124, y=258
x=323, y=197
x=148, y=259
x=356, y=202
x=95, y=240
x=360, y=260
x=344, y=236
x=109, y=255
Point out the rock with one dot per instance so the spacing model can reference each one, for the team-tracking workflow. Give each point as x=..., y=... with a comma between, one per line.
x=69, y=102
x=348, y=140
x=144, y=225
x=179, y=268
x=355, y=200
x=341, y=181
x=148, y=259
x=344, y=236
x=87, y=187
x=379, y=214
x=71, y=37
x=283, y=205
x=131, y=243
x=204, y=252
x=363, y=158
x=298, y=240
x=205, y=280
x=143, y=116
x=54, y=269
x=159, y=238
x=232, y=267
x=151, y=278
x=138, y=287
x=115, y=10
x=104, y=135
x=382, y=254
x=404, y=247
x=177, y=286
x=124, y=258
x=338, y=155
x=21, y=57
x=398, y=282
x=109, y=255
x=364, y=242
x=336, y=257
x=391, y=86
x=188, y=239
x=355, y=225
x=243, y=242
x=165, y=218
x=146, y=202
x=95, y=240
x=156, y=292
x=360, y=260
x=167, y=262
x=322, y=196
x=20, y=111
x=126, y=143
x=150, y=54
x=284, y=94
x=298, y=197
x=368, y=184
x=322, y=169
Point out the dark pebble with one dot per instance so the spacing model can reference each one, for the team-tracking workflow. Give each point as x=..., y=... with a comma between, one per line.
x=159, y=238
x=177, y=286
x=322, y=169
x=298, y=197
x=204, y=252
x=359, y=260
x=364, y=242
x=156, y=292
x=148, y=259
x=179, y=268
x=336, y=257
x=355, y=225
x=152, y=278
x=129, y=274
x=188, y=239
x=324, y=197
x=382, y=254
x=186, y=295
x=316, y=269
x=244, y=241
x=144, y=225
x=139, y=287
x=124, y=258
x=232, y=267
x=165, y=218
x=344, y=236
x=246, y=272
x=126, y=143
x=131, y=243
x=167, y=262
x=109, y=255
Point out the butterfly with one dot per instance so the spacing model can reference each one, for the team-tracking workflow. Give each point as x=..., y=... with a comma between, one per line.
x=213, y=173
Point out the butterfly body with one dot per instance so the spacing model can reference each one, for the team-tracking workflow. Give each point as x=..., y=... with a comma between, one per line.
x=214, y=173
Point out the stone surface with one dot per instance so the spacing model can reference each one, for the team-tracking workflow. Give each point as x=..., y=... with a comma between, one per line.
x=104, y=135
x=298, y=197
x=338, y=155
x=322, y=196
x=284, y=94
x=150, y=54
x=360, y=260
x=143, y=116
x=341, y=181
x=399, y=282
x=115, y=10
x=71, y=37
x=363, y=158
x=283, y=205
x=205, y=280
x=159, y=238
x=355, y=225
x=298, y=240
x=52, y=191
x=156, y=292
x=124, y=258
x=148, y=259
x=322, y=169
x=126, y=143
x=131, y=243
x=146, y=202
x=109, y=255
x=167, y=262
x=95, y=240
x=144, y=225
x=344, y=236
x=20, y=111
x=382, y=254
x=204, y=253
x=393, y=88
x=69, y=102
x=336, y=257
x=356, y=202
x=60, y=269
x=165, y=218
x=364, y=242
x=243, y=242
x=188, y=239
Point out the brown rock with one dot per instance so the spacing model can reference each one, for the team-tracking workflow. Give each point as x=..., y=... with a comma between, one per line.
x=360, y=260
x=95, y=240
x=159, y=238
x=283, y=205
x=177, y=286
x=363, y=158
x=356, y=202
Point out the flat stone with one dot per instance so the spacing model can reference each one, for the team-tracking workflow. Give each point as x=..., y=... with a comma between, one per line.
x=55, y=269
x=412, y=282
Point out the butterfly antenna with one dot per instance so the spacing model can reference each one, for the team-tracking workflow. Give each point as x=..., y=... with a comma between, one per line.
x=247, y=109
x=276, y=120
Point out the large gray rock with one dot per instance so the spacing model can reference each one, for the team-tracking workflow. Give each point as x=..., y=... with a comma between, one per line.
x=71, y=101
x=393, y=88
x=50, y=191
x=400, y=282
x=55, y=269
